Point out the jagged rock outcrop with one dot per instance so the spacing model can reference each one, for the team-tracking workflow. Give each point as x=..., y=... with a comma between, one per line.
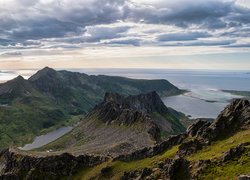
x=235, y=152
x=17, y=164
x=189, y=147
x=244, y=177
x=128, y=110
x=197, y=128
x=234, y=117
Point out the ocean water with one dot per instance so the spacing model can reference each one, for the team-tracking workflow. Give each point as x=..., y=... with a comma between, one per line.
x=205, y=98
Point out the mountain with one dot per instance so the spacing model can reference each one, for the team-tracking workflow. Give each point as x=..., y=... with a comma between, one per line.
x=120, y=125
x=15, y=89
x=217, y=150
x=50, y=99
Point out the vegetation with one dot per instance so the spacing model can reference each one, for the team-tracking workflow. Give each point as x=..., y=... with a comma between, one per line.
x=117, y=168
x=228, y=170
x=217, y=148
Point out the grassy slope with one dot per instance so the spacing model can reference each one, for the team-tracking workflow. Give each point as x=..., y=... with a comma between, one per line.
x=229, y=170
x=118, y=167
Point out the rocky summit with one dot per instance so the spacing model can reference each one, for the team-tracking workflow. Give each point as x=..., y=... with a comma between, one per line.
x=120, y=125
x=205, y=151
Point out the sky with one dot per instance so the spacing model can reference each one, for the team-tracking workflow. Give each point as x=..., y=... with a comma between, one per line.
x=179, y=34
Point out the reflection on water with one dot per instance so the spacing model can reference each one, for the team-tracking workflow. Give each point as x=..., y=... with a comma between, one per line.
x=47, y=138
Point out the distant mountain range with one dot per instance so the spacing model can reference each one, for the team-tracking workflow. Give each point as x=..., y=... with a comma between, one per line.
x=50, y=99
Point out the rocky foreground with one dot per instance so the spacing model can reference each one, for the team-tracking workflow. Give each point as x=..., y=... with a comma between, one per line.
x=195, y=154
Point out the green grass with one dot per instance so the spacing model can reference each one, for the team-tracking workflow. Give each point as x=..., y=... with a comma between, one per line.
x=217, y=148
x=118, y=167
x=228, y=171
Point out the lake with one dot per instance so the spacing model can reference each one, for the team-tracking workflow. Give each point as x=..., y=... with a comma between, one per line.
x=47, y=138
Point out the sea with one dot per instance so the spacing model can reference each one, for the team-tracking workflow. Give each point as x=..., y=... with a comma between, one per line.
x=204, y=99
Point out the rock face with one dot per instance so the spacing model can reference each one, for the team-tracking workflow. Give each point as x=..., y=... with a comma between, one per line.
x=234, y=117
x=131, y=109
x=235, y=152
x=15, y=164
x=121, y=125
x=244, y=177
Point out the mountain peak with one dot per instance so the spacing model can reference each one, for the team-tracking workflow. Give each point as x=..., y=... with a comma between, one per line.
x=47, y=71
x=18, y=79
x=130, y=109
x=47, y=68
x=237, y=105
x=148, y=102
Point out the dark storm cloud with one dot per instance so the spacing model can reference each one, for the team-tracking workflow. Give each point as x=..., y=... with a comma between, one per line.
x=186, y=12
x=70, y=20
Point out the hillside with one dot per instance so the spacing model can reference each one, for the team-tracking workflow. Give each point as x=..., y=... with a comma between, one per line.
x=50, y=99
x=120, y=125
x=217, y=150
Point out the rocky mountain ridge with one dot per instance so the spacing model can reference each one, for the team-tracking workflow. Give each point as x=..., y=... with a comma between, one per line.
x=186, y=161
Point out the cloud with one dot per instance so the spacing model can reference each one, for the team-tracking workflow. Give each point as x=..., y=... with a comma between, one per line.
x=10, y=54
x=75, y=24
x=184, y=36
x=133, y=42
